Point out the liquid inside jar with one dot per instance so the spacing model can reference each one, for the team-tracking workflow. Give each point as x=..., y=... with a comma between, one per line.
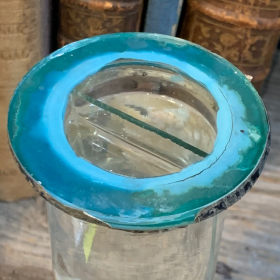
x=122, y=146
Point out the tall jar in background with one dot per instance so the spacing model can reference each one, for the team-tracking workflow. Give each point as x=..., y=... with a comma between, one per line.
x=24, y=40
x=80, y=19
x=243, y=32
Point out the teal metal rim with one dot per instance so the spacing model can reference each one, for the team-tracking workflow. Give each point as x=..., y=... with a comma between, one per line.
x=37, y=139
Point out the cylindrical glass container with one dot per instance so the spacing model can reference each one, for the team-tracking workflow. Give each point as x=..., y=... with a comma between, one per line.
x=85, y=251
x=138, y=142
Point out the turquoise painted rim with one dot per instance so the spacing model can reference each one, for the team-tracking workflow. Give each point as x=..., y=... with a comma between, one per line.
x=35, y=128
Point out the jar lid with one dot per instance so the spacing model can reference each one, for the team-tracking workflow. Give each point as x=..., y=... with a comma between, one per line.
x=86, y=191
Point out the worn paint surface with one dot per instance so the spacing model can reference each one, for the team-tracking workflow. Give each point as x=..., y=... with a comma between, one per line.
x=90, y=193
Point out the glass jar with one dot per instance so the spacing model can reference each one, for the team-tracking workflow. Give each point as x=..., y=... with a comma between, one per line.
x=84, y=251
x=138, y=142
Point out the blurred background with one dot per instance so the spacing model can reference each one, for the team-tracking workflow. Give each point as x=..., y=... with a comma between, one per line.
x=245, y=32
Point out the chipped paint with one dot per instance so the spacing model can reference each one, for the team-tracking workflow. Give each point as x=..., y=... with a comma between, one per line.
x=35, y=126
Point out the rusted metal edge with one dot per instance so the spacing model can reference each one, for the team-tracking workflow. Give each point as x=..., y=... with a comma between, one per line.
x=40, y=190
x=205, y=213
x=225, y=202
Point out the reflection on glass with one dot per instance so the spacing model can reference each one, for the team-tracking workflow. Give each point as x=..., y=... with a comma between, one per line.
x=123, y=147
x=84, y=251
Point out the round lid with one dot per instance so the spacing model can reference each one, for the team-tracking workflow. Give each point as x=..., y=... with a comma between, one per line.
x=87, y=191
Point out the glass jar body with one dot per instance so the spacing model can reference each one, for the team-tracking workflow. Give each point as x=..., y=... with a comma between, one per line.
x=85, y=251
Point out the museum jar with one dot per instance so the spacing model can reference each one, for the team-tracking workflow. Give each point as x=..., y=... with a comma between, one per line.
x=138, y=142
